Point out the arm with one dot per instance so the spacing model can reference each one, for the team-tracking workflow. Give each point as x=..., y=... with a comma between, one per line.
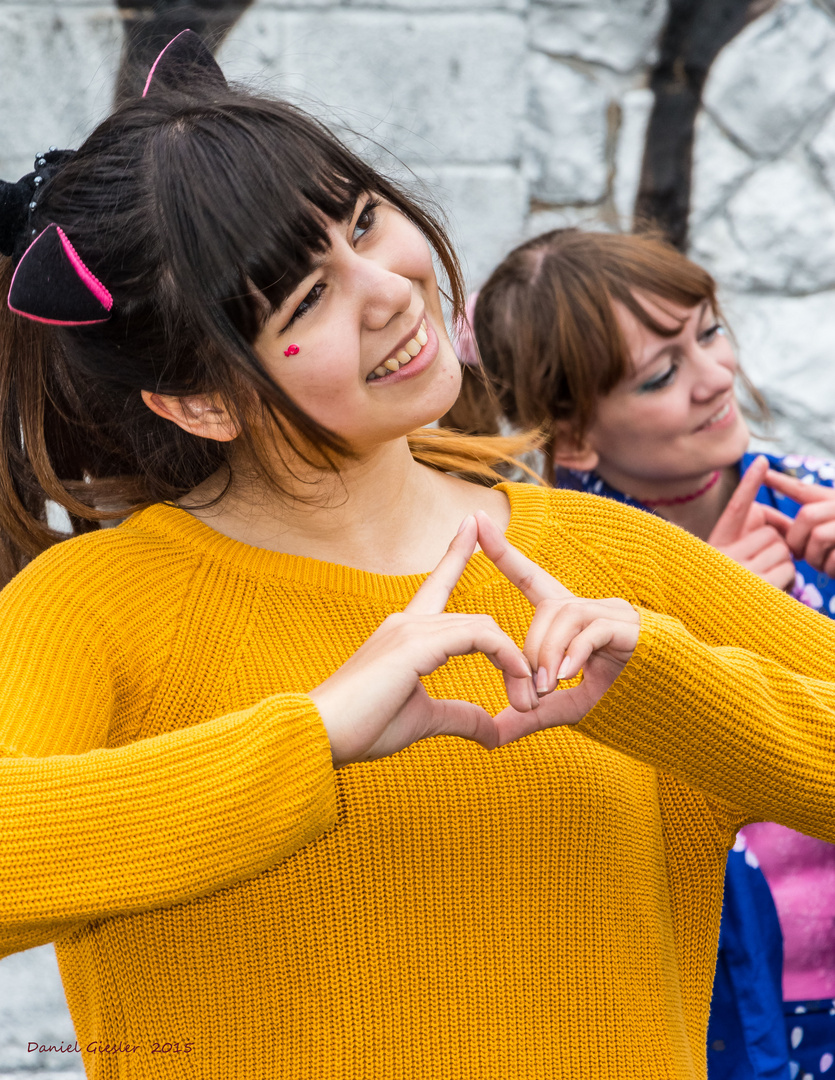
x=732, y=685
x=161, y=821
x=91, y=831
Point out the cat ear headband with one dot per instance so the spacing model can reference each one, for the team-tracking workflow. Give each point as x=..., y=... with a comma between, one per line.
x=51, y=283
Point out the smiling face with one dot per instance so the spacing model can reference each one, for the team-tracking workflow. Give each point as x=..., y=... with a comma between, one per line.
x=674, y=419
x=373, y=361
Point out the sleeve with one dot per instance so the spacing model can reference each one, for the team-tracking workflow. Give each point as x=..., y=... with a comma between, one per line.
x=90, y=832
x=731, y=688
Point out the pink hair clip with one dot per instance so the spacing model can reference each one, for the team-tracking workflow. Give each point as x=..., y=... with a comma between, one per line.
x=291, y=350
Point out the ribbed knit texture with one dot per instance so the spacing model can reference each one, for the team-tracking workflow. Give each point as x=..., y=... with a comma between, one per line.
x=550, y=909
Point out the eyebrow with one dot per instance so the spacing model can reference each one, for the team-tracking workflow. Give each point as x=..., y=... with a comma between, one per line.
x=705, y=304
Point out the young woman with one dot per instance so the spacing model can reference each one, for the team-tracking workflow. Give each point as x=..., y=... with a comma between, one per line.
x=615, y=345
x=220, y=796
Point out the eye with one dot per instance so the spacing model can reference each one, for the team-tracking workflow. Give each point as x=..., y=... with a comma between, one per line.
x=307, y=304
x=712, y=333
x=367, y=219
x=660, y=381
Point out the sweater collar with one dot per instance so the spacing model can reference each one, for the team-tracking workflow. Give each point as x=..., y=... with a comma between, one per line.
x=528, y=511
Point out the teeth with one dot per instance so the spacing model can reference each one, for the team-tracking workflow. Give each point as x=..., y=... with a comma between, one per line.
x=723, y=412
x=404, y=355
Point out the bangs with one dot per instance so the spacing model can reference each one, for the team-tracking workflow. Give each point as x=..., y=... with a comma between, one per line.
x=240, y=252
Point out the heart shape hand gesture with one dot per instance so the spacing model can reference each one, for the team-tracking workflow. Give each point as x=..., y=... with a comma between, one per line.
x=375, y=704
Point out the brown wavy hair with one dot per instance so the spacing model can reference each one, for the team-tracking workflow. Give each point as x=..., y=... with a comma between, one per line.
x=193, y=207
x=547, y=334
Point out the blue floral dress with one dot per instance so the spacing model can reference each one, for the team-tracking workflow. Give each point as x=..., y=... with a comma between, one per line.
x=752, y=1033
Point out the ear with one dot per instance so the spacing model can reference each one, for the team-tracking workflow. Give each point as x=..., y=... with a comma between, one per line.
x=200, y=415
x=570, y=453
x=185, y=61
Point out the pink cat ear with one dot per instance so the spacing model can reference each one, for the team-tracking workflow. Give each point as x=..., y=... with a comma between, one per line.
x=52, y=285
x=184, y=61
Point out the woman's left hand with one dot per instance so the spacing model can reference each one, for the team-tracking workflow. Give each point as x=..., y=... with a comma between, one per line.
x=811, y=536
x=567, y=633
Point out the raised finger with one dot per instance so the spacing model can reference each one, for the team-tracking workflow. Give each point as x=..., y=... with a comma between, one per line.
x=433, y=595
x=732, y=520
x=531, y=580
x=798, y=490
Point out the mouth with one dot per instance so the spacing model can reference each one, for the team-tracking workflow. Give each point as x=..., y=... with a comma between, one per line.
x=720, y=416
x=402, y=356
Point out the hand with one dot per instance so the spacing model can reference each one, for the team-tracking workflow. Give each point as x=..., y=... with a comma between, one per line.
x=811, y=536
x=375, y=704
x=754, y=535
x=567, y=633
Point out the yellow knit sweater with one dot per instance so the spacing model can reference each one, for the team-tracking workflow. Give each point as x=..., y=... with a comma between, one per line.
x=225, y=905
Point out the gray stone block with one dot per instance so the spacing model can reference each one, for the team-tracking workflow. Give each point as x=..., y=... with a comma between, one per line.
x=775, y=77
x=486, y=208
x=777, y=233
x=619, y=34
x=59, y=67
x=567, y=133
x=719, y=167
x=439, y=88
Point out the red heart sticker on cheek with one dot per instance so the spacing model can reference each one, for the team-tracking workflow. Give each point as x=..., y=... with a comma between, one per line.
x=291, y=350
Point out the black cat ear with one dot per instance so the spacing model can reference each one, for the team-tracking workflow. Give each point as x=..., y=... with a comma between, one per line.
x=184, y=59
x=52, y=284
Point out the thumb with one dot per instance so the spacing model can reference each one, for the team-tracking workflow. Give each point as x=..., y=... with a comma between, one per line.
x=465, y=720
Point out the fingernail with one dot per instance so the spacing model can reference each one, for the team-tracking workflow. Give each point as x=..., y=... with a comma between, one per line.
x=565, y=667
x=534, y=697
x=464, y=524
x=542, y=681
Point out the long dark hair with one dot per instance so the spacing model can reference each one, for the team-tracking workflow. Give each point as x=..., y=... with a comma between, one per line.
x=193, y=210
x=548, y=336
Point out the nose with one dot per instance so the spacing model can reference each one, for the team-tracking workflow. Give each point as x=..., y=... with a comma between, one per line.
x=384, y=293
x=714, y=375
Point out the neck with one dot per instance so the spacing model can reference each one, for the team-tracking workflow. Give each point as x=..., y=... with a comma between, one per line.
x=695, y=505
x=383, y=512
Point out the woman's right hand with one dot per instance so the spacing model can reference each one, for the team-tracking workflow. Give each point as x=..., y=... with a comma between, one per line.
x=753, y=534
x=375, y=704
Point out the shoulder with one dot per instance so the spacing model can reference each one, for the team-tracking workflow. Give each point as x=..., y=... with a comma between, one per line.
x=103, y=582
x=616, y=549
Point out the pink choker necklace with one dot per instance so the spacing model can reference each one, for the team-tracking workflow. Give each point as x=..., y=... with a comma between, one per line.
x=651, y=503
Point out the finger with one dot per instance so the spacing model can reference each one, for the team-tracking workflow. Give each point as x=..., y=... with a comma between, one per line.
x=531, y=580
x=426, y=644
x=810, y=519
x=781, y=576
x=769, y=557
x=752, y=543
x=554, y=624
x=781, y=522
x=465, y=720
x=798, y=490
x=731, y=523
x=433, y=595
x=820, y=545
x=597, y=635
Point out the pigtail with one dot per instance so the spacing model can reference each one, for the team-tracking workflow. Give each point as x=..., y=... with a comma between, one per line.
x=47, y=445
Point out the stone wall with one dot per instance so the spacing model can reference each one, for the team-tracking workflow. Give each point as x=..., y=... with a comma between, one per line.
x=518, y=116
